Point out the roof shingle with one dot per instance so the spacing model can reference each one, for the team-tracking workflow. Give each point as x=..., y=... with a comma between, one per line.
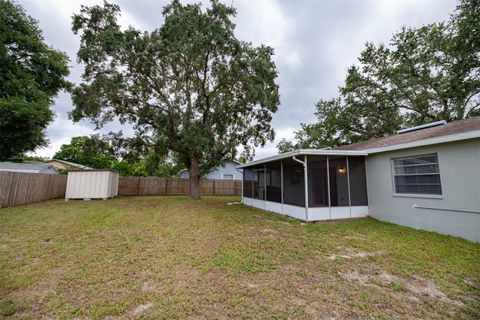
x=450, y=128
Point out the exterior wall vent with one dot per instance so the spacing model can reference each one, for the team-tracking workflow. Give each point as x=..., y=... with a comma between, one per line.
x=423, y=126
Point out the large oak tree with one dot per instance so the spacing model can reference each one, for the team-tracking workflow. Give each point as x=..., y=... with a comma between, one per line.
x=31, y=75
x=190, y=85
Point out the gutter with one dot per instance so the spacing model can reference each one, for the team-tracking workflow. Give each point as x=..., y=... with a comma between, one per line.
x=301, y=152
x=305, y=173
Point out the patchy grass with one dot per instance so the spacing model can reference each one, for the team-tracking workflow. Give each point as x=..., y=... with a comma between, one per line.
x=170, y=257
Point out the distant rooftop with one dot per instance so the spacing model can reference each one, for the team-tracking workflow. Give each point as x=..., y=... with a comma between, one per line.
x=429, y=131
x=27, y=167
x=68, y=163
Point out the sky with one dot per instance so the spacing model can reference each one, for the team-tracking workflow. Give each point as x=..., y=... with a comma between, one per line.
x=315, y=42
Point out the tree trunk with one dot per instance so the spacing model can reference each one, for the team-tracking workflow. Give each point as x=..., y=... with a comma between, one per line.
x=194, y=179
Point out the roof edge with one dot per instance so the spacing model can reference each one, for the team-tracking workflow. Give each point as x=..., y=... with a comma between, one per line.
x=300, y=152
x=92, y=170
x=426, y=142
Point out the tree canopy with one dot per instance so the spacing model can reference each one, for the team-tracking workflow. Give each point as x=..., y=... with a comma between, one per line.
x=190, y=84
x=425, y=74
x=31, y=75
x=129, y=156
x=89, y=151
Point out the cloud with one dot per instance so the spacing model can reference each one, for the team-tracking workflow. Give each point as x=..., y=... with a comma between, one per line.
x=314, y=41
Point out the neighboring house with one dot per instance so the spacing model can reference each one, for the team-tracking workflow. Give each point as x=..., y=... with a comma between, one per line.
x=65, y=165
x=427, y=177
x=28, y=167
x=228, y=171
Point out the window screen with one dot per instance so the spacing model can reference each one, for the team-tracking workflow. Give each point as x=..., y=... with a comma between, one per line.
x=417, y=175
x=227, y=176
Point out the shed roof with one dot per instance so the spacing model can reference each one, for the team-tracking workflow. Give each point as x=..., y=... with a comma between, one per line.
x=456, y=130
x=91, y=170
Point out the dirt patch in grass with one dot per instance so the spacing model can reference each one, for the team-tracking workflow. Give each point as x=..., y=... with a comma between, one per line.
x=141, y=308
x=268, y=231
x=357, y=277
x=417, y=286
x=171, y=257
x=146, y=287
x=349, y=253
x=412, y=288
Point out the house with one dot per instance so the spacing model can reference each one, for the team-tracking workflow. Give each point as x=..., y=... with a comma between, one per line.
x=426, y=177
x=65, y=165
x=28, y=167
x=228, y=171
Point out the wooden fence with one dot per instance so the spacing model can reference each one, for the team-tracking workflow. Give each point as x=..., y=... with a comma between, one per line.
x=18, y=188
x=173, y=186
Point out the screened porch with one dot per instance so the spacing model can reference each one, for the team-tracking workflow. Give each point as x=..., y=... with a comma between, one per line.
x=309, y=185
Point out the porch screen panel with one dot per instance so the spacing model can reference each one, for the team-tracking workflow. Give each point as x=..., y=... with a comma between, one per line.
x=255, y=183
x=293, y=182
x=358, y=181
x=338, y=182
x=259, y=182
x=274, y=180
x=317, y=181
x=247, y=182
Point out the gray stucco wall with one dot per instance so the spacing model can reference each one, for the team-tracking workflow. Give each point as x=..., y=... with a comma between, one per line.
x=459, y=165
x=228, y=168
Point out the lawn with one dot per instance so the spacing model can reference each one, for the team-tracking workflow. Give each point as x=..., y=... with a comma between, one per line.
x=171, y=257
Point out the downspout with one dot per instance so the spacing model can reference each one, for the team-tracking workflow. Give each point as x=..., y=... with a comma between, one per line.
x=305, y=173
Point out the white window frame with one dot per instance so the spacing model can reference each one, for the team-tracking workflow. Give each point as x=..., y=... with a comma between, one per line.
x=228, y=174
x=415, y=195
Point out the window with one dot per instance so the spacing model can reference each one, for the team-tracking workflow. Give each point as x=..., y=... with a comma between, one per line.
x=228, y=177
x=417, y=175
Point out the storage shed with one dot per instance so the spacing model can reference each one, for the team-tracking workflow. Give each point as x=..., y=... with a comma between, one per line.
x=92, y=184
